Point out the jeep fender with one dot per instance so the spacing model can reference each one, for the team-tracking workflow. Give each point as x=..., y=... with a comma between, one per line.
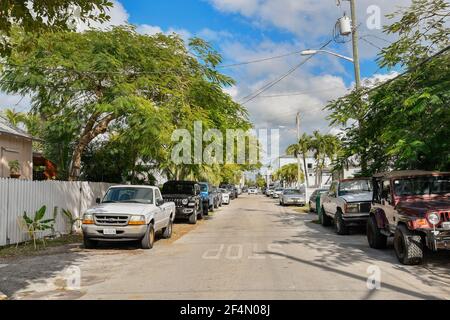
x=380, y=217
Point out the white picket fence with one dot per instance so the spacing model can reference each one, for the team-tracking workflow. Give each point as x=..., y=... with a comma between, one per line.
x=19, y=196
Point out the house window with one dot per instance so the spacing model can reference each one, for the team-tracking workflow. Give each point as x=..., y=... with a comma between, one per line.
x=310, y=165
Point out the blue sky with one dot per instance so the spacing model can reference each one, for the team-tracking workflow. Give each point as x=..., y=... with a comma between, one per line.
x=245, y=30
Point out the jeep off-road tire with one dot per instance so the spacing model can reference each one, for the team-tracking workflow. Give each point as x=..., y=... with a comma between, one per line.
x=167, y=231
x=408, y=246
x=149, y=239
x=339, y=224
x=325, y=220
x=376, y=239
x=89, y=244
x=193, y=217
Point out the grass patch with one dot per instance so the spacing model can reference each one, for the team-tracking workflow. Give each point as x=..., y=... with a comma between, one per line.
x=27, y=248
x=302, y=210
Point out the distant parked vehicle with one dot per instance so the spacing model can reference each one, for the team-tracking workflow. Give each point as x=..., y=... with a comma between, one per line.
x=218, y=197
x=186, y=196
x=314, y=197
x=347, y=204
x=225, y=196
x=208, y=197
x=253, y=190
x=413, y=207
x=292, y=197
x=277, y=193
x=128, y=213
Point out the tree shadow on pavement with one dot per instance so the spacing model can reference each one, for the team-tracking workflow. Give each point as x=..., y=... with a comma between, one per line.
x=343, y=251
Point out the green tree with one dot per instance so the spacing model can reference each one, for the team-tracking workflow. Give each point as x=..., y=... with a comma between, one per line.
x=43, y=15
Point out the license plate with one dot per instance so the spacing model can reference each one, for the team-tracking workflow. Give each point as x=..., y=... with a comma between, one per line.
x=109, y=231
x=446, y=225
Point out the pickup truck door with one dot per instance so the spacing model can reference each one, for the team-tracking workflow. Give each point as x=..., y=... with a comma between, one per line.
x=330, y=199
x=162, y=214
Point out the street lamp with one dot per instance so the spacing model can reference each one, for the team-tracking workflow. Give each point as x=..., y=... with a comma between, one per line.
x=313, y=52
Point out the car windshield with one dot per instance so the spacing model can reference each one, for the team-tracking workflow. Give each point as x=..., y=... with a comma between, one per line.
x=129, y=194
x=291, y=191
x=278, y=189
x=355, y=186
x=178, y=188
x=422, y=186
x=204, y=188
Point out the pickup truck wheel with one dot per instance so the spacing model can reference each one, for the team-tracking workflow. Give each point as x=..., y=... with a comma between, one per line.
x=408, y=246
x=324, y=219
x=339, y=224
x=89, y=244
x=149, y=238
x=376, y=239
x=193, y=218
x=167, y=231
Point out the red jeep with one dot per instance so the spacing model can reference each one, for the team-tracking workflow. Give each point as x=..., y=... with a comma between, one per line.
x=414, y=207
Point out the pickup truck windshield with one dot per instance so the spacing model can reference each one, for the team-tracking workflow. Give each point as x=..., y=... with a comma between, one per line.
x=180, y=188
x=130, y=195
x=354, y=186
x=422, y=186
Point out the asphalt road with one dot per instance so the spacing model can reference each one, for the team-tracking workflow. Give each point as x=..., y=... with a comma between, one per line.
x=252, y=249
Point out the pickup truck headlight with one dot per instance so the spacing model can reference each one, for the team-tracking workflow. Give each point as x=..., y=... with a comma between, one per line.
x=434, y=218
x=352, y=208
x=137, y=220
x=88, y=218
x=185, y=202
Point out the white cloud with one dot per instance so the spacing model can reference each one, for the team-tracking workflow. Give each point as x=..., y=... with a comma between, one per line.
x=118, y=16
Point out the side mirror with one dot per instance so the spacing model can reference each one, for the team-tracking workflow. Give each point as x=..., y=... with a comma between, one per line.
x=98, y=200
x=159, y=202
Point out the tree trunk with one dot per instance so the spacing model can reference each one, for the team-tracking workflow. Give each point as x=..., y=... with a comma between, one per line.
x=306, y=171
x=90, y=132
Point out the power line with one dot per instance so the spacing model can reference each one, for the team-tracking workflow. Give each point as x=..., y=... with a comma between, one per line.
x=291, y=94
x=269, y=85
x=259, y=60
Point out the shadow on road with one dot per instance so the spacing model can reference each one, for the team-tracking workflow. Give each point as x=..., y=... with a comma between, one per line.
x=336, y=251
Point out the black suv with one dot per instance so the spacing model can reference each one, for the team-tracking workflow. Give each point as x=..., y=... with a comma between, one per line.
x=186, y=195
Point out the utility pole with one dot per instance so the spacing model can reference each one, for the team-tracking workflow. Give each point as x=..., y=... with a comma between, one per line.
x=355, y=44
x=299, y=165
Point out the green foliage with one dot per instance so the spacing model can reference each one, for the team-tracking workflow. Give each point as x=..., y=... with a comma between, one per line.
x=14, y=166
x=38, y=223
x=71, y=219
x=106, y=103
x=43, y=15
x=422, y=30
x=288, y=174
x=404, y=123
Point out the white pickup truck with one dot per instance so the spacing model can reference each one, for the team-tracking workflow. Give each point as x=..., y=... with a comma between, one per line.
x=129, y=213
x=347, y=203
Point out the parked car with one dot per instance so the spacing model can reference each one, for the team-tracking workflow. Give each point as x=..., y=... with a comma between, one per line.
x=245, y=189
x=347, y=204
x=293, y=197
x=225, y=196
x=314, y=197
x=208, y=197
x=238, y=190
x=217, y=197
x=413, y=207
x=277, y=193
x=128, y=213
x=187, y=199
x=253, y=190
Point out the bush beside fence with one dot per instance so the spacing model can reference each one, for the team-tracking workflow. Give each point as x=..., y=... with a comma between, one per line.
x=18, y=196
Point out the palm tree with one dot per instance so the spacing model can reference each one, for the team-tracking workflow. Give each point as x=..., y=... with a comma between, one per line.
x=302, y=147
x=14, y=117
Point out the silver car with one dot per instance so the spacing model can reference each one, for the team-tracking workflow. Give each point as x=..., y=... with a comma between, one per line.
x=277, y=193
x=292, y=197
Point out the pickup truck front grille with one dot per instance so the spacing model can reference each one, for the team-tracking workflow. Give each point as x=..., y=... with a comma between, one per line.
x=365, y=207
x=111, y=220
x=445, y=216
